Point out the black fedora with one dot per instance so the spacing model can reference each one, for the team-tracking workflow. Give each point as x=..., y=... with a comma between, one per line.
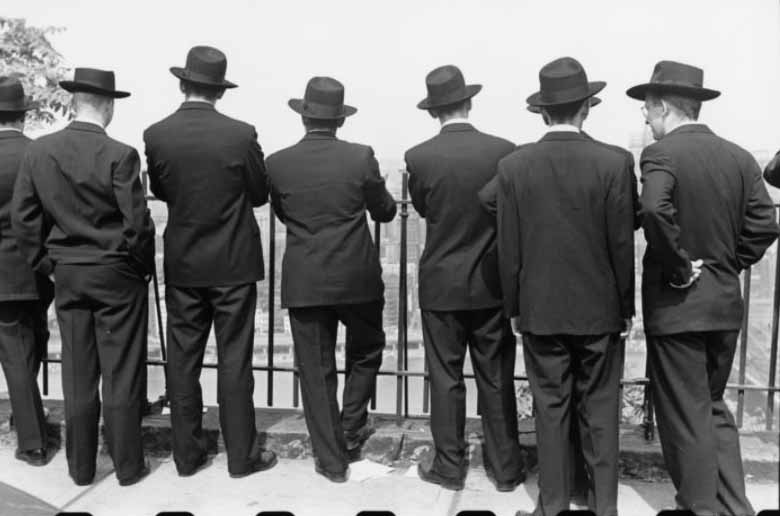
x=563, y=81
x=206, y=66
x=92, y=80
x=12, y=99
x=446, y=86
x=674, y=77
x=323, y=99
x=594, y=101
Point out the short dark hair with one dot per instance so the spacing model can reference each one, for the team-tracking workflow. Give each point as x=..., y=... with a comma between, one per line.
x=11, y=117
x=686, y=105
x=211, y=93
x=449, y=109
x=562, y=113
x=330, y=124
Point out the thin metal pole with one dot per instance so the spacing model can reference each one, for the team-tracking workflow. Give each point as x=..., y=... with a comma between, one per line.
x=271, y=302
x=378, y=244
x=743, y=345
x=647, y=422
x=400, y=345
x=770, y=395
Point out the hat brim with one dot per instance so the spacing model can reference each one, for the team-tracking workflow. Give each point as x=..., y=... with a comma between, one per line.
x=186, y=75
x=594, y=101
x=297, y=106
x=640, y=91
x=75, y=86
x=593, y=88
x=27, y=105
x=470, y=91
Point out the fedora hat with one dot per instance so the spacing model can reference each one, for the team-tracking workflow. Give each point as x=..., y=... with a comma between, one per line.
x=12, y=97
x=594, y=101
x=563, y=81
x=674, y=77
x=92, y=80
x=323, y=99
x=446, y=86
x=206, y=66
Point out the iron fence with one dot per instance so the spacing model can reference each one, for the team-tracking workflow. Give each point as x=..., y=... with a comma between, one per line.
x=402, y=372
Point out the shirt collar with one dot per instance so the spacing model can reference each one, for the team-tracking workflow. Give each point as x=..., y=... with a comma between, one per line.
x=10, y=129
x=457, y=120
x=559, y=128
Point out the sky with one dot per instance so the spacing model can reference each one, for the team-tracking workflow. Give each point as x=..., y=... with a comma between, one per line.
x=382, y=51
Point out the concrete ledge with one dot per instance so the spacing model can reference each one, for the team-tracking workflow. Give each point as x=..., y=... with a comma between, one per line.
x=401, y=443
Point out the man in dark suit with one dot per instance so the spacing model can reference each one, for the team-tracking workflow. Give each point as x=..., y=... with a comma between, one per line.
x=706, y=216
x=460, y=295
x=321, y=188
x=24, y=295
x=565, y=241
x=80, y=215
x=208, y=169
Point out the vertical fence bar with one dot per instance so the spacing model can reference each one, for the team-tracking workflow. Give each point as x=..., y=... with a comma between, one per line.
x=271, y=303
x=378, y=244
x=647, y=404
x=426, y=384
x=46, y=364
x=400, y=346
x=743, y=346
x=770, y=395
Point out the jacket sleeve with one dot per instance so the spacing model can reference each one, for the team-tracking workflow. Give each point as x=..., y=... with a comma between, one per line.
x=379, y=202
x=488, y=196
x=759, y=228
x=417, y=190
x=154, y=173
x=659, y=216
x=636, y=205
x=254, y=167
x=772, y=171
x=508, y=239
x=620, y=216
x=27, y=219
x=137, y=225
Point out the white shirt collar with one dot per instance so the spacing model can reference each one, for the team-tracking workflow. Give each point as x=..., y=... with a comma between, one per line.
x=563, y=128
x=10, y=129
x=456, y=121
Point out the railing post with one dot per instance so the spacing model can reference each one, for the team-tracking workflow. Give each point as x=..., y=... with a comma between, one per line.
x=271, y=303
x=400, y=346
x=743, y=346
x=648, y=422
x=770, y=395
x=378, y=244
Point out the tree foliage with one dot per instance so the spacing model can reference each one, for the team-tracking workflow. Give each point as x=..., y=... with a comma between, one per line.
x=27, y=53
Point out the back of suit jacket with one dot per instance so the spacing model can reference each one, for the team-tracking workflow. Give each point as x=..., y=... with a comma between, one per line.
x=703, y=198
x=209, y=170
x=79, y=191
x=565, y=235
x=17, y=280
x=321, y=188
x=459, y=266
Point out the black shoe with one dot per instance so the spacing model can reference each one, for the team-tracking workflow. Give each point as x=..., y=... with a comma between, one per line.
x=506, y=485
x=36, y=457
x=137, y=477
x=204, y=460
x=430, y=475
x=266, y=460
x=83, y=483
x=333, y=477
x=358, y=439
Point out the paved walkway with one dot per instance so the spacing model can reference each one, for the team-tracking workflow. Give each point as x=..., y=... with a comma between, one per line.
x=291, y=486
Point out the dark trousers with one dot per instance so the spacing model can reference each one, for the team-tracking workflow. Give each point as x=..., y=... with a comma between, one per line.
x=191, y=312
x=489, y=339
x=699, y=439
x=314, y=334
x=102, y=312
x=24, y=333
x=579, y=374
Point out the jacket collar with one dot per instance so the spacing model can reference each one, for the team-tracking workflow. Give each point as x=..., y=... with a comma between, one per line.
x=318, y=135
x=85, y=126
x=561, y=136
x=7, y=135
x=204, y=106
x=690, y=128
x=459, y=127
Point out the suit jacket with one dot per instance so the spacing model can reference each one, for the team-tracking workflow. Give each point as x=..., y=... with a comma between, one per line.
x=321, y=188
x=772, y=171
x=17, y=279
x=459, y=265
x=208, y=168
x=703, y=198
x=565, y=235
x=78, y=200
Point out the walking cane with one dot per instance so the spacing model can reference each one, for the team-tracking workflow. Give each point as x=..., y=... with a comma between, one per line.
x=162, y=400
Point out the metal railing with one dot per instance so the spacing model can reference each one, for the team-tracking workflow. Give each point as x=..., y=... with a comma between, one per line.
x=402, y=372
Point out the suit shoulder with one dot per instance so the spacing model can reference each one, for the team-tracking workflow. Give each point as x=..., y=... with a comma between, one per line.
x=235, y=124
x=616, y=149
x=421, y=148
x=497, y=141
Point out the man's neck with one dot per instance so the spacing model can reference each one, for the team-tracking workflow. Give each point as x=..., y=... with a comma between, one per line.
x=90, y=118
x=195, y=98
x=671, y=125
x=460, y=118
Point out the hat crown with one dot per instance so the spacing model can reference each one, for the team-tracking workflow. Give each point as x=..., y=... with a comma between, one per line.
x=102, y=79
x=11, y=89
x=672, y=72
x=562, y=76
x=207, y=61
x=444, y=82
x=324, y=91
